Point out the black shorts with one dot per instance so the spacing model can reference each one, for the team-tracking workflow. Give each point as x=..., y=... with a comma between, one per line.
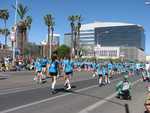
x=44, y=66
x=39, y=71
x=68, y=73
x=100, y=75
x=53, y=74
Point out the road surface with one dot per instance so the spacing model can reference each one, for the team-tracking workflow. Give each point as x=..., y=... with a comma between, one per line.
x=85, y=97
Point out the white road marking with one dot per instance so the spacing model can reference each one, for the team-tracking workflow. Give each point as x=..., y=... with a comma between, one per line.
x=48, y=99
x=101, y=102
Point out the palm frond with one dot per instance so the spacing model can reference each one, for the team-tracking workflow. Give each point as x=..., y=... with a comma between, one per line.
x=28, y=21
x=4, y=14
x=22, y=10
x=49, y=20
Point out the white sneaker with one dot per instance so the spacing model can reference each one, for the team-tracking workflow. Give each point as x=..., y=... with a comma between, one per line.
x=108, y=82
x=35, y=78
x=68, y=88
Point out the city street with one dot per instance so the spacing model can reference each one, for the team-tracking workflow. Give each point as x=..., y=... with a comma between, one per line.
x=74, y=56
x=85, y=96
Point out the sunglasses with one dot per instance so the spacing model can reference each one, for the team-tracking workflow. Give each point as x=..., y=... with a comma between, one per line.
x=147, y=104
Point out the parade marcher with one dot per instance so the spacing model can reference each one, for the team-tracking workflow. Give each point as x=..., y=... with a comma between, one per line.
x=107, y=80
x=94, y=69
x=100, y=73
x=44, y=62
x=38, y=71
x=68, y=69
x=53, y=68
x=110, y=69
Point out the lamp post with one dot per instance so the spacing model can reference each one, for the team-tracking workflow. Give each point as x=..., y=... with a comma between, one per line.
x=13, y=40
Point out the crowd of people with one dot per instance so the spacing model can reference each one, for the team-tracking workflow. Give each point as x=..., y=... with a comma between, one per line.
x=65, y=68
x=20, y=63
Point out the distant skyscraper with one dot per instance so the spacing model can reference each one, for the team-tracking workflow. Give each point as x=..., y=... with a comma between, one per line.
x=67, y=39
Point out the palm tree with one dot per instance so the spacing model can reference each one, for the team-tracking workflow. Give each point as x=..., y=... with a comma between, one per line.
x=75, y=22
x=21, y=10
x=4, y=14
x=6, y=32
x=78, y=17
x=72, y=20
x=49, y=22
x=23, y=25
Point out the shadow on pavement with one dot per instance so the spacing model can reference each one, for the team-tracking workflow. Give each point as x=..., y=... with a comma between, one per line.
x=3, y=78
x=63, y=90
x=101, y=98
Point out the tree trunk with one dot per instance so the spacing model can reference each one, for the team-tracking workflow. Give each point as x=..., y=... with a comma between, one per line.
x=48, y=43
x=78, y=42
x=75, y=42
x=5, y=33
x=52, y=40
x=72, y=41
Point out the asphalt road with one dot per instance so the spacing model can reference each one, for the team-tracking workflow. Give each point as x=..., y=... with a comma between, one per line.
x=85, y=97
x=24, y=79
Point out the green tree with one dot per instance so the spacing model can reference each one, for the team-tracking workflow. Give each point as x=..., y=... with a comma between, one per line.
x=63, y=51
x=49, y=22
x=4, y=14
x=5, y=32
x=21, y=10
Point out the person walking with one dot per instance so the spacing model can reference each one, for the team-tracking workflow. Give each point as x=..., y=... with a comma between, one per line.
x=53, y=68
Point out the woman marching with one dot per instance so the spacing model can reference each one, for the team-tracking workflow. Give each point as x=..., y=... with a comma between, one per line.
x=99, y=69
x=53, y=68
x=68, y=69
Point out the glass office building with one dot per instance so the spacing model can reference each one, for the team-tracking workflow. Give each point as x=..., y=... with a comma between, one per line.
x=110, y=34
x=126, y=36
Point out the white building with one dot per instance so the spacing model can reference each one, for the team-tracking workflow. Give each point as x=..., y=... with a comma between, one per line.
x=55, y=41
x=126, y=53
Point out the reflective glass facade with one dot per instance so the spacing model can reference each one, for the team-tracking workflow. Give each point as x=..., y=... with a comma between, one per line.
x=124, y=36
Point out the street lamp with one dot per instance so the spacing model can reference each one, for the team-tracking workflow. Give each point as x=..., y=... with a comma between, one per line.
x=13, y=40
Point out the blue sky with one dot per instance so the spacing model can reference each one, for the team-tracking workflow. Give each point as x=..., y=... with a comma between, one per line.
x=130, y=11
